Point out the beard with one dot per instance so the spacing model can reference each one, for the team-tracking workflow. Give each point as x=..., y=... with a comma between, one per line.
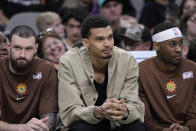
x=171, y=61
x=20, y=67
x=106, y=57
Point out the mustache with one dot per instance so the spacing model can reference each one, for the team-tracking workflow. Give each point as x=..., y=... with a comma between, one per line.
x=22, y=59
x=107, y=48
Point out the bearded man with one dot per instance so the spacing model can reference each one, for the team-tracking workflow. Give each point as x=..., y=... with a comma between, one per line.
x=28, y=86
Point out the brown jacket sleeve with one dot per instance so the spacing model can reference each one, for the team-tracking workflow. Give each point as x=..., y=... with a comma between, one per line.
x=191, y=116
x=148, y=120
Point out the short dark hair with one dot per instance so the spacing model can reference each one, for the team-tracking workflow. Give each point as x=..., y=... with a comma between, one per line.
x=3, y=39
x=162, y=26
x=78, y=14
x=93, y=21
x=192, y=50
x=22, y=31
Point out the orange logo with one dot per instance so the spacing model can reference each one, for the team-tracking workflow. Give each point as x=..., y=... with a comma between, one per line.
x=171, y=86
x=21, y=89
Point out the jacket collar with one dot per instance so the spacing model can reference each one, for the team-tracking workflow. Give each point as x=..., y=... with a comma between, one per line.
x=85, y=56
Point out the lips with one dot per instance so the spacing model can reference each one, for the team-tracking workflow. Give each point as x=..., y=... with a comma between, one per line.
x=179, y=56
x=107, y=51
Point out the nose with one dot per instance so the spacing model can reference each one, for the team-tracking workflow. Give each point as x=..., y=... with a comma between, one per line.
x=23, y=53
x=52, y=47
x=107, y=42
x=76, y=30
x=179, y=48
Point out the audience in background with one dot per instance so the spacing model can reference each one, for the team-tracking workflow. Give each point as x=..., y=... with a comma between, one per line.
x=50, y=47
x=153, y=13
x=135, y=37
x=72, y=20
x=188, y=27
x=90, y=6
x=3, y=46
x=188, y=24
x=52, y=20
x=192, y=50
x=186, y=6
x=8, y=8
x=112, y=9
x=186, y=45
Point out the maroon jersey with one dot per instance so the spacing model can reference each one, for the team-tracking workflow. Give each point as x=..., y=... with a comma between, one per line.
x=23, y=97
x=169, y=96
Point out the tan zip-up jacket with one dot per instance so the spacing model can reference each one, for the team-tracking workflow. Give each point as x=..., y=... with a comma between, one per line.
x=77, y=93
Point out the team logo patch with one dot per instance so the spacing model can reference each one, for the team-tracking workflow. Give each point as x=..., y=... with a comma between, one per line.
x=21, y=89
x=175, y=32
x=187, y=75
x=37, y=76
x=171, y=86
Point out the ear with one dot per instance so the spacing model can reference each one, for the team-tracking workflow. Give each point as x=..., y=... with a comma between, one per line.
x=156, y=46
x=8, y=45
x=36, y=47
x=148, y=45
x=85, y=42
x=8, y=48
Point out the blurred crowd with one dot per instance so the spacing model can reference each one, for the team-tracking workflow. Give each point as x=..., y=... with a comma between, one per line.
x=132, y=32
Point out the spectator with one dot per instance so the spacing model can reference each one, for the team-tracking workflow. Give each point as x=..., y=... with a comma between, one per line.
x=167, y=83
x=186, y=6
x=8, y=8
x=96, y=94
x=3, y=46
x=112, y=9
x=136, y=37
x=192, y=51
x=153, y=13
x=188, y=24
x=50, y=47
x=72, y=20
x=28, y=86
x=90, y=6
x=52, y=20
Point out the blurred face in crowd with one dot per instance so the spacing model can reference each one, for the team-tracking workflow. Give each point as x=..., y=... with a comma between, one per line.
x=72, y=28
x=22, y=51
x=189, y=5
x=52, y=49
x=170, y=51
x=112, y=10
x=191, y=27
x=58, y=28
x=130, y=45
x=163, y=2
x=100, y=42
x=85, y=3
x=3, y=46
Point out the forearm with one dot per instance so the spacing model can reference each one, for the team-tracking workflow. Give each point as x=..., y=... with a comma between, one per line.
x=7, y=127
x=79, y=113
x=191, y=124
x=51, y=120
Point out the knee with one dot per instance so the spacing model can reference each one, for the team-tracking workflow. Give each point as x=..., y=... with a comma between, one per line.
x=82, y=126
x=134, y=126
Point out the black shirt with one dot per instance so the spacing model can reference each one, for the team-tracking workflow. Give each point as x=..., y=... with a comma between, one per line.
x=101, y=89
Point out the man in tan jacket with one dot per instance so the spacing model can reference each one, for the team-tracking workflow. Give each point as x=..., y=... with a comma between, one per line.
x=98, y=87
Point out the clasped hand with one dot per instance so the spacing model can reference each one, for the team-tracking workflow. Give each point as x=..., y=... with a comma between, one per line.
x=113, y=109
